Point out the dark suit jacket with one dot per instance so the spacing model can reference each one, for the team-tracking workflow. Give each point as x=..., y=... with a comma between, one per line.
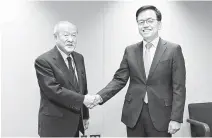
x=165, y=84
x=61, y=103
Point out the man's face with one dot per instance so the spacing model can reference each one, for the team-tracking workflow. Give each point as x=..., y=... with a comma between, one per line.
x=148, y=25
x=66, y=38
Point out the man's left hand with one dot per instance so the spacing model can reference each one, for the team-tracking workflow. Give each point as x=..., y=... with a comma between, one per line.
x=173, y=127
x=85, y=123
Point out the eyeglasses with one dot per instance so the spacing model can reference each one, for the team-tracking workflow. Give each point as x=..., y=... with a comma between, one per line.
x=149, y=21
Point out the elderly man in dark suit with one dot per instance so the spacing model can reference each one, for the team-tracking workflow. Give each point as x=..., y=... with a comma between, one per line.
x=154, y=102
x=63, y=87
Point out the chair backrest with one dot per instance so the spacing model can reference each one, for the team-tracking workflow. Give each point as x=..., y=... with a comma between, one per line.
x=201, y=112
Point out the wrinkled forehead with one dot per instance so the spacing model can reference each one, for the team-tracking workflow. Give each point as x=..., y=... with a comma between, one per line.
x=146, y=14
x=66, y=27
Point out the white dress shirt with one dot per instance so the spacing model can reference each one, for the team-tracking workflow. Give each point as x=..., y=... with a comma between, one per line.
x=152, y=49
x=66, y=61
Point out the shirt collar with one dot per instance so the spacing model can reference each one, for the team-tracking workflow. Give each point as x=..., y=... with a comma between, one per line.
x=63, y=54
x=154, y=42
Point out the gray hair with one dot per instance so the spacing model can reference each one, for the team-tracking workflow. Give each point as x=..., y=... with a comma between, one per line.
x=57, y=26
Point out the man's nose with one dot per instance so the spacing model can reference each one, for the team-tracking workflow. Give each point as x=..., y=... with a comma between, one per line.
x=145, y=24
x=70, y=39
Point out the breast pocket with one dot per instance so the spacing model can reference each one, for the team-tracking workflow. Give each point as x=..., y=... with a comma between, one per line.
x=164, y=65
x=167, y=61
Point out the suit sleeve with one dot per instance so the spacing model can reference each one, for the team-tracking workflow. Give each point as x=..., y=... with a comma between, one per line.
x=53, y=90
x=178, y=85
x=118, y=82
x=85, y=109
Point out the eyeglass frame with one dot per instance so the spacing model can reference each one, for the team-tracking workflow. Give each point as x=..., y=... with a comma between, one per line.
x=146, y=21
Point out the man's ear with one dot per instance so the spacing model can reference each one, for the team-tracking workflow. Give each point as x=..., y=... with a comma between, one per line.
x=55, y=36
x=159, y=25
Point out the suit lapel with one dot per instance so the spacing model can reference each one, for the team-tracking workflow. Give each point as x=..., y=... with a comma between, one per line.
x=158, y=54
x=139, y=57
x=78, y=67
x=60, y=63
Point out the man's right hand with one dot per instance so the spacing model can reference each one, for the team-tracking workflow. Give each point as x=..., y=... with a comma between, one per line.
x=91, y=101
x=88, y=101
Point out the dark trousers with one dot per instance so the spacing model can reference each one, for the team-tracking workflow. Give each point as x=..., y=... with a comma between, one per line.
x=145, y=127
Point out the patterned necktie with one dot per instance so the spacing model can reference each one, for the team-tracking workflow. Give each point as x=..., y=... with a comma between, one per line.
x=147, y=64
x=71, y=69
x=147, y=58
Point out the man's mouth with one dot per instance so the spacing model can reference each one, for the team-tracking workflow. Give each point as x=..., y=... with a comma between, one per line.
x=69, y=45
x=146, y=30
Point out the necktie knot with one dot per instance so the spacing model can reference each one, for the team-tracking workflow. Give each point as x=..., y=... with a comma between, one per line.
x=69, y=59
x=70, y=63
x=148, y=45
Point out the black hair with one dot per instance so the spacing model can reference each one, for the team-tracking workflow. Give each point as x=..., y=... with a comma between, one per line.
x=149, y=7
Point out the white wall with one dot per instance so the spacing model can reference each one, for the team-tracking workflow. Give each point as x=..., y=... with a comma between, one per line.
x=105, y=29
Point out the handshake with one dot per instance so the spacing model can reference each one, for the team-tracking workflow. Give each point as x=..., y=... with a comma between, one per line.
x=91, y=101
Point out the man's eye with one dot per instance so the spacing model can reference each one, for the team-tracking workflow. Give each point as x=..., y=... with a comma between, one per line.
x=73, y=35
x=66, y=35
